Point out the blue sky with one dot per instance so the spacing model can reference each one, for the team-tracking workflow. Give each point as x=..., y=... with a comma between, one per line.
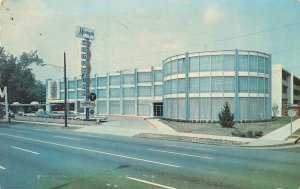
x=140, y=33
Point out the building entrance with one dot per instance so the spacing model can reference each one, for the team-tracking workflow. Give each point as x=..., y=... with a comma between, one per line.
x=158, y=109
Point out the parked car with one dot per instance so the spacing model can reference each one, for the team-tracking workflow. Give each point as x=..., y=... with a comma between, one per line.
x=42, y=114
x=57, y=115
x=11, y=114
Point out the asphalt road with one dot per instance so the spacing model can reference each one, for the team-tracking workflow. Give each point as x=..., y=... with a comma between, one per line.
x=38, y=157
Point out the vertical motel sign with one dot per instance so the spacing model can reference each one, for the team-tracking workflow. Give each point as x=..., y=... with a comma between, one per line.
x=87, y=35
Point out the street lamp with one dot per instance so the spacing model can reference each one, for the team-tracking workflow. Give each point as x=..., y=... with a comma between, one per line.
x=65, y=81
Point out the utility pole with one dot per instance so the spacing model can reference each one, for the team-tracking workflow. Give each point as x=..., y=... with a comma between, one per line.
x=65, y=81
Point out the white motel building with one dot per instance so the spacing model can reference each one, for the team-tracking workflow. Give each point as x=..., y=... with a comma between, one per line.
x=190, y=87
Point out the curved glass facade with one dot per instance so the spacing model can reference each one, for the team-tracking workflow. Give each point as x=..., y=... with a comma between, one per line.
x=197, y=85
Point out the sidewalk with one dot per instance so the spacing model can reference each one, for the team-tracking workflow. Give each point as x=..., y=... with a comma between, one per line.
x=275, y=138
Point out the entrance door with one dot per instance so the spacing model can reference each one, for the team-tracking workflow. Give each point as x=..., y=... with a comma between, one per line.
x=158, y=109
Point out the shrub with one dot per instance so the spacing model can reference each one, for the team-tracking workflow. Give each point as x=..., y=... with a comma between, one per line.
x=226, y=118
x=247, y=134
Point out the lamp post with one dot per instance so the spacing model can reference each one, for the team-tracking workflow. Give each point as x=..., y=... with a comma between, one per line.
x=65, y=82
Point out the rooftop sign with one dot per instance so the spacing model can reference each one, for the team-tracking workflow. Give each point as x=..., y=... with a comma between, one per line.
x=85, y=33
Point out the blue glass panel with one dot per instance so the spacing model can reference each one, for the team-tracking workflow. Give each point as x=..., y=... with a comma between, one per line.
x=229, y=84
x=102, y=81
x=243, y=84
x=217, y=63
x=204, y=84
x=114, y=80
x=253, y=84
x=243, y=63
x=194, y=64
x=228, y=62
x=194, y=85
x=144, y=77
x=216, y=84
x=252, y=63
x=205, y=63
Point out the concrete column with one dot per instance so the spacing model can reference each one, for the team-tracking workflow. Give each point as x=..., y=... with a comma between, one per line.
x=107, y=94
x=121, y=92
x=237, y=115
x=187, y=105
x=136, y=91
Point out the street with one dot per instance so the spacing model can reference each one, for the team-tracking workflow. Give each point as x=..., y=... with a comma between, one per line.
x=43, y=157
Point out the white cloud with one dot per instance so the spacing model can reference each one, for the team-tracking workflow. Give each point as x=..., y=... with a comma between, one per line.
x=212, y=15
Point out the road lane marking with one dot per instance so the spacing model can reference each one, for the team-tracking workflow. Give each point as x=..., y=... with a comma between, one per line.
x=192, y=147
x=24, y=131
x=70, y=138
x=89, y=150
x=25, y=150
x=2, y=167
x=190, y=155
x=150, y=183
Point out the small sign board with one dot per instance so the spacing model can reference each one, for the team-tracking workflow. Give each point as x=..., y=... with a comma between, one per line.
x=292, y=113
x=92, y=111
x=85, y=33
x=87, y=104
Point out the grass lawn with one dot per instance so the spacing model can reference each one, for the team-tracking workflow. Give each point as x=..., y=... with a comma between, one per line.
x=216, y=129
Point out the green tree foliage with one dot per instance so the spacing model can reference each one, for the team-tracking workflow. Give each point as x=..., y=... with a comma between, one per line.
x=226, y=118
x=15, y=73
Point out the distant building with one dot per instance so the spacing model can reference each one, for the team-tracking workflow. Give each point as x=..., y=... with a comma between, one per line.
x=190, y=86
x=285, y=88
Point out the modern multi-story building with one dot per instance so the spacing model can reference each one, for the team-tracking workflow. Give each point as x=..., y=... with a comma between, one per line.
x=285, y=88
x=190, y=86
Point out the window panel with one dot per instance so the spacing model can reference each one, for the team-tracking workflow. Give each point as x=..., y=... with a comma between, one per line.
x=157, y=90
x=114, y=80
x=167, y=68
x=71, y=84
x=243, y=84
x=102, y=93
x=266, y=85
x=144, y=77
x=102, y=81
x=243, y=63
x=128, y=78
x=261, y=64
x=174, y=67
x=194, y=85
x=71, y=94
x=205, y=63
x=253, y=84
x=252, y=63
x=216, y=84
x=129, y=92
x=217, y=63
x=228, y=62
x=158, y=76
x=144, y=91
x=114, y=92
x=181, y=85
x=229, y=84
x=261, y=85
x=181, y=66
x=174, y=86
x=194, y=64
x=267, y=65
x=79, y=84
x=61, y=85
x=204, y=84
x=79, y=95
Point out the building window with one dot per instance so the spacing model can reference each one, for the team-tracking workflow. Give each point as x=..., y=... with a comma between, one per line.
x=181, y=85
x=284, y=89
x=71, y=94
x=216, y=84
x=194, y=64
x=102, y=81
x=129, y=92
x=228, y=62
x=261, y=85
x=194, y=85
x=267, y=85
x=229, y=84
x=114, y=80
x=71, y=84
x=114, y=92
x=144, y=91
x=253, y=84
x=261, y=64
x=204, y=84
x=205, y=63
x=217, y=63
x=174, y=67
x=144, y=77
x=62, y=85
x=174, y=86
x=157, y=90
x=267, y=65
x=243, y=84
x=158, y=76
x=102, y=93
x=252, y=63
x=181, y=66
x=243, y=63
x=128, y=79
x=167, y=68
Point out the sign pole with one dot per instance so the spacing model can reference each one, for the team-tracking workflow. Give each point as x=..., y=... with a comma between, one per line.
x=6, y=104
x=66, y=90
x=291, y=125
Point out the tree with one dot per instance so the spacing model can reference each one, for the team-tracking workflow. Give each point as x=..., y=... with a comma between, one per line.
x=226, y=118
x=15, y=73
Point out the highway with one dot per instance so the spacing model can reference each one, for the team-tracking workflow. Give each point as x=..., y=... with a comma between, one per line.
x=40, y=157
